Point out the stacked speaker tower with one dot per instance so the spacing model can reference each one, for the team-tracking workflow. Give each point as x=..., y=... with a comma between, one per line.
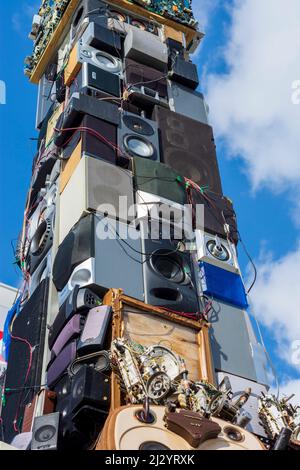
x=121, y=125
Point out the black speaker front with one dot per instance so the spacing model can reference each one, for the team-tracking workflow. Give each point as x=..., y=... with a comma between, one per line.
x=87, y=10
x=91, y=388
x=188, y=146
x=169, y=276
x=23, y=376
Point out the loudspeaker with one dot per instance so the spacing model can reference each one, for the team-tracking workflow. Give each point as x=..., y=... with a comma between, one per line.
x=187, y=102
x=224, y=285
x=146, y=85
x=110, y=255
x=46, y=432
x=28, y=330
x=188, y=146
x=145, y=48
x=218, y=211
x=96, y=186
x=103, y=39
x=41, y=273
x=159, y=179
x=138, y=137
x=184, y=72
x=214, y=250
x=46, y=98
x=90, y=387
x=230, y=342
x=59, y=366
x=93, y=336
x=78, y=106
x=41, y=241
x=43, y=165
x=71, y=331
x=80, y=301
x=169, y=277
x=87, y=11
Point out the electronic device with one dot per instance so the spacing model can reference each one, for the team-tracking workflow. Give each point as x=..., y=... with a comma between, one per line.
x=46, y=98
x=169, y=277
x=43, y=165
x=138, y=137
x=109, y=252
x=184, y=72
x=79, y=301
x=86, y=12
x=41, y=241
x=230, y=341
x=78, y=106
x=71, y=331
x=145, y=48
x=145, y=85
x=29, y=325
x=216, y=251
x=159, y=179
x=102, y=38
x=20, y=442
x=187, y=102
x=123, y=20
x=59, y=366
x=42, y=272
x=90, y=387
x=222, y=284
x=81, y=54
x=46, y=432
x=218, y=212
x=96, y=186
x=97, y=81
x=188, y=146
x=93, y=336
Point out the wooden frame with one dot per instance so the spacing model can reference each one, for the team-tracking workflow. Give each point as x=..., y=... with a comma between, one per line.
x=118, y=301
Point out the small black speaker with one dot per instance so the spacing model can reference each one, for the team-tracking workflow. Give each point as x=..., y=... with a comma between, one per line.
x=87, y=11
x=102, y=38
x=46, y=432
x=169, y=275
x=90, y=388
x=184, y=72
x=188, y=147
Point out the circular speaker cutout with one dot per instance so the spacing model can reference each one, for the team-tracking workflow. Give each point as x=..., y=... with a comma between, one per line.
x=139, y=147
x=218, y=251
x=107, y=62
x=45, y=433
x=168, y=265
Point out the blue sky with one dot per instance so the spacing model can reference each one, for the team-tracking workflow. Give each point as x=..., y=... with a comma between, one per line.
x=264, y=194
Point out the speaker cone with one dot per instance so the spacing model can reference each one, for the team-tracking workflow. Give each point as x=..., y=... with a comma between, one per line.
x=139, y=24
x=45, y=433
x=169, y=266
x=138, y=146
x=218, y=251
x=117, y=16
x=42, y=235
x=108, y=62
x=138, y=125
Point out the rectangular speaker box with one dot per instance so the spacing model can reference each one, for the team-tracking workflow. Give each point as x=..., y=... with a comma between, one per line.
x=223, y=285
x=80, y=301
x=46, y=432
x=102, y=38
x=79, y=106
x=218, y=211
x=188, y=147
x=43, y=166
x=169, y=277
x=112, y=250
x=61, y=363
x=145, y=48
x=230, y=342
x=29, y=328
x=96, y=186
x=159, y=179
x=71, y=331
x=95, y=330
x=90, y=387
x=216, y=251
x=184, y=72
x=87, y=12
x=46, y=98
x=187, y=102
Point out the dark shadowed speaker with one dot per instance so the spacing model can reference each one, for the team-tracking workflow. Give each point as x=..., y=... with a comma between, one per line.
x=188, y=146
x=90, y=387
x=184, y=72
x=168, y=273
x=28, y=331
x=46, y=432
x=102, y=38
x=87, y=11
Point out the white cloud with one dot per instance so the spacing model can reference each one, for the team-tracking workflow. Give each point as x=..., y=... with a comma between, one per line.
x=290, y=388
x=203, y=10
x=251, y=106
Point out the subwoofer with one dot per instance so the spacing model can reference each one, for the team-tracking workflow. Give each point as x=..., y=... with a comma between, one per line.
x=138, y=137
x=96, y=186
x=46, y=432
x=188, y=146
x=169, y=276
x=100, y=253
x=28, y=331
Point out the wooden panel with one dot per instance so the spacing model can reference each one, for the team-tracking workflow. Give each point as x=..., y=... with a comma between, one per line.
x=70, y=166
x=73, y=67
x=52, y=122
x=171, y=33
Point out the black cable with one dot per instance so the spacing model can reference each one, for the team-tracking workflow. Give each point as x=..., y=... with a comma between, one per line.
x=252, y=263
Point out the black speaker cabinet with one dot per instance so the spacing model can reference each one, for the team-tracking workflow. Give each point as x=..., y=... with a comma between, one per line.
x=138, y=75
x=90, y=387
x=188, y=146
x=184, y=72
x=102, y=38
x=169, y=276
x=46, y=432
x=29, y=328
x=98, y=139
x=159, y=179
x=86, y=12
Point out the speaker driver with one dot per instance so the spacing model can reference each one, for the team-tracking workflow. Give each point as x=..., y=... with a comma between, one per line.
x=169, y=266
x=41, y=237
x=140, y=126
x=139, y=24
x=45, y=433
x=117, y=15
x=152, y=445
x=138, y=146
x=218, y=251
x=107, y=62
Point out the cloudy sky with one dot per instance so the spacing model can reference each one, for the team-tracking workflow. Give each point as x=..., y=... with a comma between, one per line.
x=250, y=68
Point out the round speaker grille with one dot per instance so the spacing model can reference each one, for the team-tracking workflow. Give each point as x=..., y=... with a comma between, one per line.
x=218, y=251
x=41, y=237
x=152, y=445
x=169, y=266
x=138, y=125
x=108, y=62
x=138, y=146
x=139, y=24
x=45, y=433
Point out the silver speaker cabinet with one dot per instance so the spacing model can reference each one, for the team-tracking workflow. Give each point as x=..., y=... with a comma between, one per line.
x=46, y=432
x=138, y=137
x=185, y=101
x=100, y=59
x=217, y=251
x=146, y=48
x=96, y=186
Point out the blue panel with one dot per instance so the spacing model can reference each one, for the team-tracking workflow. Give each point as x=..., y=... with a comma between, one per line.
x=223, y=285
